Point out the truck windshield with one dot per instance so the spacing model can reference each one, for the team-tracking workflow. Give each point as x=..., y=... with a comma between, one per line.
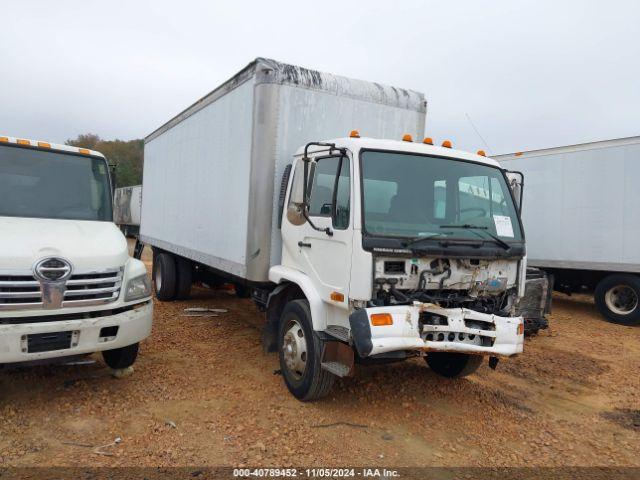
x=47, y=184
x=415, y=196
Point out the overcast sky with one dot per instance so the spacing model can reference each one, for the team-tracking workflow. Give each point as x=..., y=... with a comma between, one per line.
x=529, y=74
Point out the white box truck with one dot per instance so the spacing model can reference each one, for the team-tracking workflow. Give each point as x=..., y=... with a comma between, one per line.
x=68, y=286
x=127, y=208
x=582, y=220
x=358, y=249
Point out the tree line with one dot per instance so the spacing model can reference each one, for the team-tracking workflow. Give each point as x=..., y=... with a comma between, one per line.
x=125, y=155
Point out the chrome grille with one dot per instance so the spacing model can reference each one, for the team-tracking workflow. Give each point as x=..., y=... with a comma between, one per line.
x=19, y=291
x=92, y=288
x=23, y=291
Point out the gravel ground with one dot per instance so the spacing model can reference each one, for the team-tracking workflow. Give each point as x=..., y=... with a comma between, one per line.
x=203, y=393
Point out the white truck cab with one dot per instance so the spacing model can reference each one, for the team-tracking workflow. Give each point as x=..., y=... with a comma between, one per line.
x=68, y=286
x=400, y=249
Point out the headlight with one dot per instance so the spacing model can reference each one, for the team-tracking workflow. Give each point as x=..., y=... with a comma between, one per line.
x=138, y=287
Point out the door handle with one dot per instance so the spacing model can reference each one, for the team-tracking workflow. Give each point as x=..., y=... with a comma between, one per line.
x=302, y=244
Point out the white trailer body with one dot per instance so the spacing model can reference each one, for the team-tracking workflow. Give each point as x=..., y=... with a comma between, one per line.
x=212, y=174
x=581, y=217
x=127, y=206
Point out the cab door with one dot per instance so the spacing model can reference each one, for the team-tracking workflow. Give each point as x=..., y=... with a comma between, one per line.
x=323, y=253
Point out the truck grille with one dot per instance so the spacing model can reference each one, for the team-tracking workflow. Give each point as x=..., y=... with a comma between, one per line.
x=24, y=291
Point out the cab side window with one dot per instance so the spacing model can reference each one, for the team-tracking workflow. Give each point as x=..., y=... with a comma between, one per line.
x=330, y=190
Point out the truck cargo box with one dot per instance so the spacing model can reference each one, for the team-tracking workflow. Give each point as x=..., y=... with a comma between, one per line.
x=212, y=174
x=127, y=204
x=580, y=207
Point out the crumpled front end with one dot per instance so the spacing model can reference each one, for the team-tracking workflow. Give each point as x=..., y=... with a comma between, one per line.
x=427, y=327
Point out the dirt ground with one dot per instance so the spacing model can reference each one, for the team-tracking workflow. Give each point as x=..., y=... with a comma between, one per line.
x=203, y=393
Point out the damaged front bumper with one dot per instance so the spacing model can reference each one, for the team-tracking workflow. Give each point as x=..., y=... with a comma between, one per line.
x=428, y=327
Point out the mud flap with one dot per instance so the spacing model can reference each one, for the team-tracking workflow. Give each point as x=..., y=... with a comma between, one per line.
x=361, y=332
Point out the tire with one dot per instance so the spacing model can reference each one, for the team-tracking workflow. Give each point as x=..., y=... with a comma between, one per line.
x=453, y=364
x=242, y=291
x=164, y=277
x=184, y=272
x=119, y=358
x=617, y=298
x=303, y=374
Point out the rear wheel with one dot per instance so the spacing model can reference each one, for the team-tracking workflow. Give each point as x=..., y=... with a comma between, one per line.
x=184, y=272
x=119, y=358
x=164, y=276
x=452, y=364
x=300, y=352
x=617, y=298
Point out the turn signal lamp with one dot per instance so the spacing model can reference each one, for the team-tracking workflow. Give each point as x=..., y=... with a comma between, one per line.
x=44, y=144
x=407, y=138
x=23, y=142
x=446, y=144
x=354, y=134
x=481, y=153
x=428, y=141
x=84, y=151
x=337, y=297
x=381, y=319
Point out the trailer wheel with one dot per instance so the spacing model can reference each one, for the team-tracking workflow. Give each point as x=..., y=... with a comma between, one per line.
x=452, y=364
x=121, y=357
x=164, y=277
x=300, y=352
x=616, y=297
x=184, y=272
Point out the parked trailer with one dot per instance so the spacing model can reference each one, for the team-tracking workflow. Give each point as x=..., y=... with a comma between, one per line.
x=358, y=249
x=127, y=206
x=582, y=221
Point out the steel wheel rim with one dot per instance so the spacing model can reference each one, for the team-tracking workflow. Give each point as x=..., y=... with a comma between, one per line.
x=621, y=299
x=294, y=349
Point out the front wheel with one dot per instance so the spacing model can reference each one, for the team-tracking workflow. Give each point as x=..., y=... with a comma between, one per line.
x=616, y=297
x=452, y=364
x=300, y=352
x=119, y=358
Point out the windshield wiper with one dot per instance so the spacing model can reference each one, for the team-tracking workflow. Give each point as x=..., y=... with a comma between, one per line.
x=415, y=240
x=474, y=228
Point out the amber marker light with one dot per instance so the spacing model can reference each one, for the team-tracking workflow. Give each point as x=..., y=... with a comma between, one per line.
x=446, y=144
x=337, y=297
x=381, y=319
x=354, y=134
x=428, y=141
x=407, y=138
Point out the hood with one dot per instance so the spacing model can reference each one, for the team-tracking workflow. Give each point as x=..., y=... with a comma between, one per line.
x=87, y=245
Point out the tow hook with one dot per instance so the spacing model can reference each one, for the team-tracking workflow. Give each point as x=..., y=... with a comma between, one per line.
x=493, y=362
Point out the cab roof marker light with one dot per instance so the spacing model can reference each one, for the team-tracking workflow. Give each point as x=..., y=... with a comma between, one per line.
x=44, y=144
x=428, y=141
x=84, y=151
x=4, y=139
x=481, y=153
x=518, y=154
x=21, y=141
x=446, y=144
x=354, y=134
x=407, y=138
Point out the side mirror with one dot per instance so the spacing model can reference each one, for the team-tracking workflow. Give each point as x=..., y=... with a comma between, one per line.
x=112, y=174
x=296, y=207
x=516, y=184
